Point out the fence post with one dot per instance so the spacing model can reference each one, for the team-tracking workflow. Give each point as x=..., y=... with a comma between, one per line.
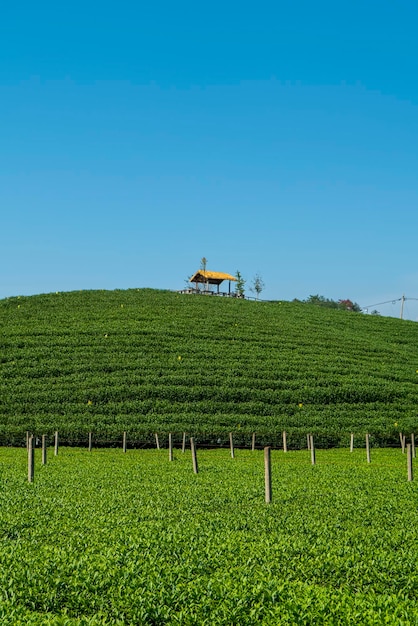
x=56, y=443
x=368, y=447
x=157, y=442
x=170, y=446
x=312, y=447
x=124, y=446
x=409, y=462
x=351, y=442
x=31, y=460
x=308, y=441
x=43, y=449
x=231, y=445
x=402, y=438
x=194, y=457
x=183, y=445
x=267, y=473
x=253, y=443
x=284, y=441
x=413, y=445
x=90, y=441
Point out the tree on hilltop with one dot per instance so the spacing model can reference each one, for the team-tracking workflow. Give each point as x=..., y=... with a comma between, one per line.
x=203, y=263
x=257, y=285
x=345, y=305
x=240, y=285
x=348, y=305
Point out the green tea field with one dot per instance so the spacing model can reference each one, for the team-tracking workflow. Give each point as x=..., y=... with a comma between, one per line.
x=107, y=538
x=143, y=360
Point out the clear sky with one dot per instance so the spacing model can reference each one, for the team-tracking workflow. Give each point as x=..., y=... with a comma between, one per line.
x=278, y=138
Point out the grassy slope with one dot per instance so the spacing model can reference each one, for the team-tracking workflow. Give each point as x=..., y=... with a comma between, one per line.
x=145, y=360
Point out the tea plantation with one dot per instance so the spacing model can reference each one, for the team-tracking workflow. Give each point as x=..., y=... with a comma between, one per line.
x=106, y=538
x=143, y=360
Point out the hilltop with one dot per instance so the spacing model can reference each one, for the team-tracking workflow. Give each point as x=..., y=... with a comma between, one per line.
x=143, y=360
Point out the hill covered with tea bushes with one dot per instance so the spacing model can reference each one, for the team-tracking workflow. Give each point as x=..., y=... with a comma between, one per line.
x=143, y=360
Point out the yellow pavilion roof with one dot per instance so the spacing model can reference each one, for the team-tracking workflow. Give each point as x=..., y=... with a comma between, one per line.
x=213, y=278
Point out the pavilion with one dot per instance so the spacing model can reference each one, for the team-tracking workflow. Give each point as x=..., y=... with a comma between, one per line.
x=208, y=278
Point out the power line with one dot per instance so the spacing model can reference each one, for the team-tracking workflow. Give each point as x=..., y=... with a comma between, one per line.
x=369, y=306
x=403, y=299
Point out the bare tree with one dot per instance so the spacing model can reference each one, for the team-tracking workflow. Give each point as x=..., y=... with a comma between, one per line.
x=257, y=285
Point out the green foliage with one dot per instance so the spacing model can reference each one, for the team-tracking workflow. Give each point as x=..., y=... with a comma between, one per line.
x=345, y=305
x=106, y=538
x=146, y=361
x=239, y=285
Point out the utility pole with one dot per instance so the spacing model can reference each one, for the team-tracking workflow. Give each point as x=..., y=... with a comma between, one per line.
x=402, y=303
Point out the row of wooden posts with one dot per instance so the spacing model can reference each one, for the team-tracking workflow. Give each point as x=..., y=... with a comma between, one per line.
x=30, y=443
x=410, y=454
x=231, y=443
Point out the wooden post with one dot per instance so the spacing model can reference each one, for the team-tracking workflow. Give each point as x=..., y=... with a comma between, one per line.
x=170, y=447
x=267, y=473
x=31, y=460
x=413, y=445
x=308, y=440
x=27, y=440
x=352, y=442
x=183, y=445
x=402, y=438
x=194, y=457
x=284, y=441
x=43, y=449
x=157, y=442
x=56, y=443
x=409, y=461
x=253, y=443
x=312, y=447
x=368, y=447
x=90, y=441
x=124, y=446
x=231, y=445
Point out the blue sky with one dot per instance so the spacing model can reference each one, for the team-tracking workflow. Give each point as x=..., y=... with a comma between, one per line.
x=277, y=138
